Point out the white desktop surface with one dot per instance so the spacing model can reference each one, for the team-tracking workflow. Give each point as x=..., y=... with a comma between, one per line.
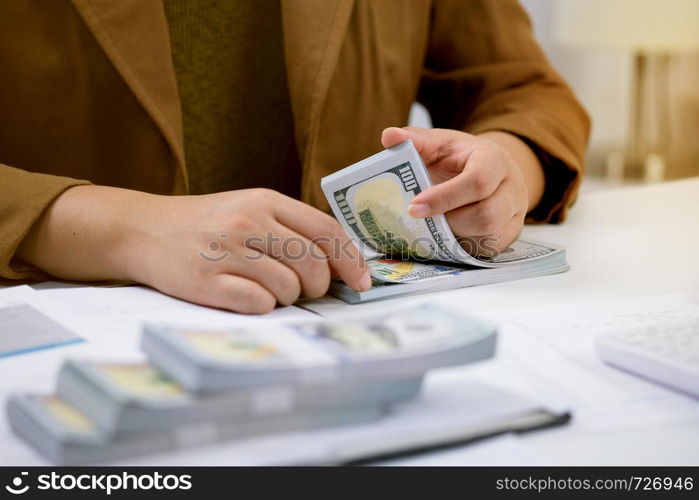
x=624, y=246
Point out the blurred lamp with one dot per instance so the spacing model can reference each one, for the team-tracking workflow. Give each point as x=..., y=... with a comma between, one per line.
x=652, y=30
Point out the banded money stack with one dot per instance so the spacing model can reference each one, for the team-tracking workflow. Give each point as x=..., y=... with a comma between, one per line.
x=204, y=386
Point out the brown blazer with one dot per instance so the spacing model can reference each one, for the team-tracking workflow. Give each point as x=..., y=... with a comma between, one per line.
x=88, y=91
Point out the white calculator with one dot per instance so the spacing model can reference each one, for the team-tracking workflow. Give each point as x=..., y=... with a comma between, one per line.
x=667, y=354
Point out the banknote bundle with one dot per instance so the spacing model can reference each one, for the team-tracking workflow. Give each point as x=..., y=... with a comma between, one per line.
x=205, y=386
x=404, y=344
x=407, y=255
x=131, y=397
x=66, y=436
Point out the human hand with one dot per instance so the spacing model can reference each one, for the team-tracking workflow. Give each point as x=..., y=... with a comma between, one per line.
x=243, y=251
x=247, y=250
x=478, y=183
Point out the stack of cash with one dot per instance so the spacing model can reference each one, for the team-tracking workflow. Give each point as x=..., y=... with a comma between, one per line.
x=204, y=386
x=408, y=256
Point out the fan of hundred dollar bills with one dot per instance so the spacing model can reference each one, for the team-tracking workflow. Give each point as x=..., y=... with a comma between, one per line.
x=408, y=255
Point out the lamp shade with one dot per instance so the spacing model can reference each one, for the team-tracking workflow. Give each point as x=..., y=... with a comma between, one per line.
x=639, y=25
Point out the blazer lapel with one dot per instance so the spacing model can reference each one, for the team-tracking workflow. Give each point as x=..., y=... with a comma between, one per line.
x=134, y=35
x=313, y=34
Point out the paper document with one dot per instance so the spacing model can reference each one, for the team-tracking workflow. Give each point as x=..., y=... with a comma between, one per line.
x=28, y=324
x=550, y=352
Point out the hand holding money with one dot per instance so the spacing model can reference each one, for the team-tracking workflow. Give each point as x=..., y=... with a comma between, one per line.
x=373, y=200
x=481, y=183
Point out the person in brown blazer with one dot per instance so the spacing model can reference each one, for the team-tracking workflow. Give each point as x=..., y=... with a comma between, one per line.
x=137, y=136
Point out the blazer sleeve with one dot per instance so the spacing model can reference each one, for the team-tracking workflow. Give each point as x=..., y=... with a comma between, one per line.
x=23, y=198
x=485, y=71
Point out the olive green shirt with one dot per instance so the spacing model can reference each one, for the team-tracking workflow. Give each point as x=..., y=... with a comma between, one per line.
x=231, y=76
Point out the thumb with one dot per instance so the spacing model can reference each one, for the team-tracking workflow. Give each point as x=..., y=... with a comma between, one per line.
x=392, y=136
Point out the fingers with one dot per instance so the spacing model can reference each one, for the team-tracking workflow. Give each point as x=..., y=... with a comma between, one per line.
x=476, y=184
x=479, y=178
x=490, y=246
x=489, y=226
x=281, y=281
x=485, y=217
x=324, y=231
x=466, y=169
x=433, y=144
x=306, y=259
x=237, y=294
x=511, y=232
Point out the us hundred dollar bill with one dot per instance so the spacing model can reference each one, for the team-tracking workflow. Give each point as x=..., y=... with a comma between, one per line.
x=371, y=198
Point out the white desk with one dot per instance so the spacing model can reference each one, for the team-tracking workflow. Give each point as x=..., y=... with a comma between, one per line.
x=622, y=243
